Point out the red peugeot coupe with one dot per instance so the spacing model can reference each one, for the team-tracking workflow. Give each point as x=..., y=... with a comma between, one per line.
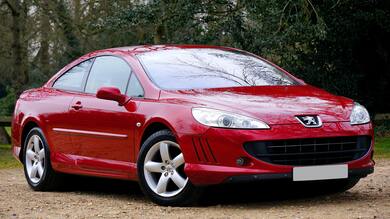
x=180, y=117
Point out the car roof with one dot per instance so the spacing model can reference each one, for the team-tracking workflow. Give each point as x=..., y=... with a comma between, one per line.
x=151, y=48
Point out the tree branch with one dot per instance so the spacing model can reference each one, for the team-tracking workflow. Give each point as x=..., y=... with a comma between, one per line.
x=11, y=7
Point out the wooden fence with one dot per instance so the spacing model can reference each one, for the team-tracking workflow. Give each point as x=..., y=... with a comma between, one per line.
x=4, y=137
x=6, y=122
x=382, y=117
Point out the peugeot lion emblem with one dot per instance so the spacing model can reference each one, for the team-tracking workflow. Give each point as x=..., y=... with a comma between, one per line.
x=310, y=121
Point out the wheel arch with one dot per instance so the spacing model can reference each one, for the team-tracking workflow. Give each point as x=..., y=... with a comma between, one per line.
x=28, y=124
x=152, y=126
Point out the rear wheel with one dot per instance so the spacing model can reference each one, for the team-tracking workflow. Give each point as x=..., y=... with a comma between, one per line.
x=161, y=171
x=36, y=159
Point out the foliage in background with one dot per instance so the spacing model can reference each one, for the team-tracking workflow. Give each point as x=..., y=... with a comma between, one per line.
x=7, y=103
x=354, y=58
x=339, y=45
x=382, y=128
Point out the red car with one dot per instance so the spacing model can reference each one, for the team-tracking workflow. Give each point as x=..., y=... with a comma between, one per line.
x=180, y=117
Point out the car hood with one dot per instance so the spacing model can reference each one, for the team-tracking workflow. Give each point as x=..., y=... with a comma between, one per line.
x=271, y=104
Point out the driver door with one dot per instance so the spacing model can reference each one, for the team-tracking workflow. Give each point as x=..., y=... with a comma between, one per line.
x=104, y=132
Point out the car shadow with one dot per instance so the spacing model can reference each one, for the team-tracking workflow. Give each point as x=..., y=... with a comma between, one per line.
x=100, y=186
x=263, y=193
x=260, y=192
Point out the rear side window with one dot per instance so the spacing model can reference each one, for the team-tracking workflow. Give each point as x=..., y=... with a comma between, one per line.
x=73, y=79
x=135, y=88
x=108, y=71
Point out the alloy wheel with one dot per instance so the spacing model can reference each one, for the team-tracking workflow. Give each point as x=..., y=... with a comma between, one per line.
x=164, y=169
x=35, y=159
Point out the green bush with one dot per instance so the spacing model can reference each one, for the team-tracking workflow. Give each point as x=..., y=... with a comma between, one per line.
x=382, y=128
x=7, y=103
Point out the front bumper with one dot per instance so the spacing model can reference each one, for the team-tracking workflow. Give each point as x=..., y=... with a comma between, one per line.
x=352, y=173
x=211, y=157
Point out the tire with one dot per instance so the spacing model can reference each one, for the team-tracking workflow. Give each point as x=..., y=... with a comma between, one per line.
x=37, y=160
x=175, y=188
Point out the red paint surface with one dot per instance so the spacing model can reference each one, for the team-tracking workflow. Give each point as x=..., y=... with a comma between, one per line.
x=210, y=153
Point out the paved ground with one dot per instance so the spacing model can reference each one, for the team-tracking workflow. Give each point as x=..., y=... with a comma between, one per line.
x=117, y=199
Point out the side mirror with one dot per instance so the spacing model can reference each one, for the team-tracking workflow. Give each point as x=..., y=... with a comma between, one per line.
x=112, y=93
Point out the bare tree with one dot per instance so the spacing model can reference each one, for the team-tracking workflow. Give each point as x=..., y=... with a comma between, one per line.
x=19, y=10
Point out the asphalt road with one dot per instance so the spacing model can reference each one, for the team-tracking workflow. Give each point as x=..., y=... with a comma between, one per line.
x=91, y=198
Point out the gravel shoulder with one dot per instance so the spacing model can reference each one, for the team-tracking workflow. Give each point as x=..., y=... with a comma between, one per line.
x=90, y=198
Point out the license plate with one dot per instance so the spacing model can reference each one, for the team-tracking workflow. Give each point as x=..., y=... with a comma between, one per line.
x=323, y=172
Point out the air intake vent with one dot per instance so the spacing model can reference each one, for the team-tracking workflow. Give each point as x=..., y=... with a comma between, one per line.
x=311, y=151
x=203, y=150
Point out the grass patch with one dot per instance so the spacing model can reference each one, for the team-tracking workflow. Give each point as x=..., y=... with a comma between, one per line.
x=8, y=130
x=6, y=158
x=382, y=147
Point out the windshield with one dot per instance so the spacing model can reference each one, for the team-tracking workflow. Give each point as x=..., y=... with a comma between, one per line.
x=180, y=69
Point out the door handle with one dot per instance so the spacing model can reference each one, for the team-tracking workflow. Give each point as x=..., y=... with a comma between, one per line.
x=77, y=105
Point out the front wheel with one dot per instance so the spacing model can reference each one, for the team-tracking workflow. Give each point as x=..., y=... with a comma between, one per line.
x=161, y=171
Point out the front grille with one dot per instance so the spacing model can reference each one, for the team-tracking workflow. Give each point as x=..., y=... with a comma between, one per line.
x=310, y=151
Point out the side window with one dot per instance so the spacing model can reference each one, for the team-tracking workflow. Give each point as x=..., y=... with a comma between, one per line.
x=108, y=71
x=135, y=88
x=73, y=79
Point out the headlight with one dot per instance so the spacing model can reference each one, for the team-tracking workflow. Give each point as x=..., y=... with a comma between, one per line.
x=221, y=119
x=359, y=115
